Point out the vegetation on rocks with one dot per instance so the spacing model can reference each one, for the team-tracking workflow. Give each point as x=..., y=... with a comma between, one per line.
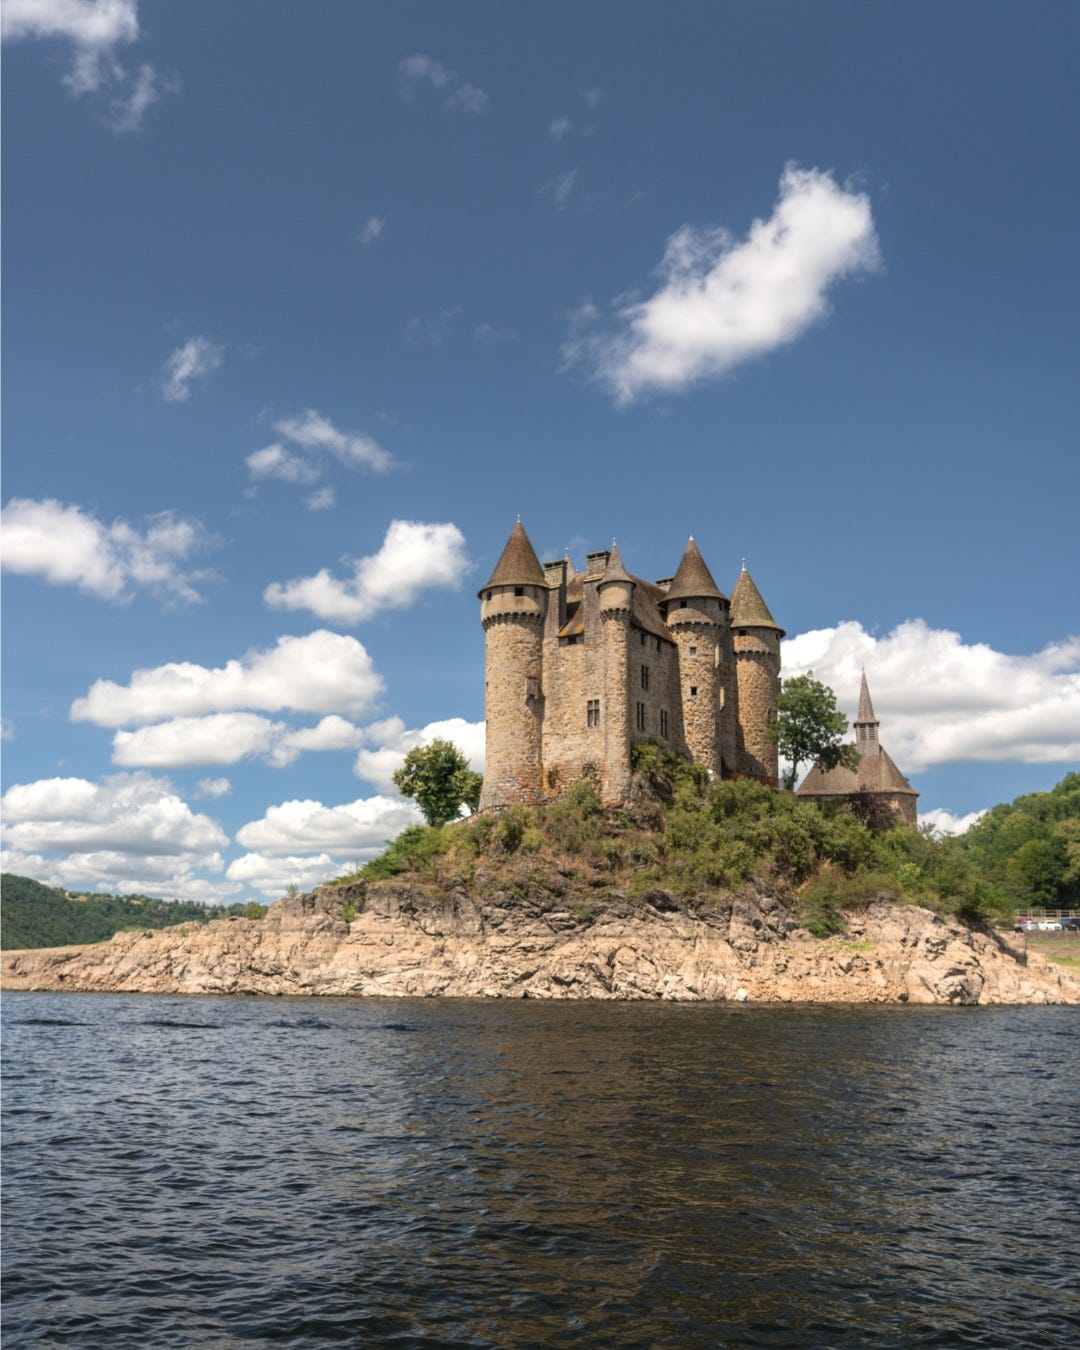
x=690, y=837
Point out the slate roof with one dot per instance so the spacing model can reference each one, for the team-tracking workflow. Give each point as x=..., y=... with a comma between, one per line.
x=876, y=773
x=518, y=564
x=748, y=609
x=693, y=580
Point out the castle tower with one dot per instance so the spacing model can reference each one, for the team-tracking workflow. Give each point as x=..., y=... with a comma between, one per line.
x=513, y=606
x=694, y=607
x=756, y=640
x=866, y=724
x=615, y=592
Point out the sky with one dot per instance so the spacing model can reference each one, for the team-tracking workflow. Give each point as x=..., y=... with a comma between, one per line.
x=305, y=304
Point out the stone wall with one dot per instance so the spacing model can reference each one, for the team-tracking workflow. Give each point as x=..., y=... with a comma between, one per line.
x=514, y=708
x=757, y=669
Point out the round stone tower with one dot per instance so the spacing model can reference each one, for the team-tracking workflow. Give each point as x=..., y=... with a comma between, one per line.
x=695, y=608
x=513, y=606
x=756, y=639
x=615, y=593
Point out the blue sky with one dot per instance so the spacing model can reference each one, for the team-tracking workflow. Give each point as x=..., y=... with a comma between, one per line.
x=797, y=280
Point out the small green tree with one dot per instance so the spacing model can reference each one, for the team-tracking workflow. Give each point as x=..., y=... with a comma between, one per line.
x=438, y=778
x=808, y=727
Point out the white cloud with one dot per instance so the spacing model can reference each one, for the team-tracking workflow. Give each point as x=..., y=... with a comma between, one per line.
x=332, y=733
x=213, y=787
x=127, y=111
x=7, y=729
x=421, y=69
x=432, y=332
x=414, y=557
x=371, y=229
x=321, y=673
x=941, y=700
x=392, y=742
x=490, y=333
x=944, y=822
x=317, y=434
x=723, y=302
x=322, y=499
x=274, y=461
x=560, y=187
x=559, y=127
x=273, y=876
x=132, y=814
x=193, y=360
x=220, y=738
x=358, y=828
x=592, y=97
x=65, y=546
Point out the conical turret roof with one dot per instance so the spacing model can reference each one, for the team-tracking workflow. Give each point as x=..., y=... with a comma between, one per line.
x=518, y=564
x=748, y=610
x=866, y=708
x=615, y=571
x=693, y=580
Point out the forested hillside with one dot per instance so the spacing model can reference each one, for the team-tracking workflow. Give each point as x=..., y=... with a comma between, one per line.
x=1030, y=848
x=33, y=915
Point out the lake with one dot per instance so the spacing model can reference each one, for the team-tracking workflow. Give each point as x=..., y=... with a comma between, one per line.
x=245, y=1172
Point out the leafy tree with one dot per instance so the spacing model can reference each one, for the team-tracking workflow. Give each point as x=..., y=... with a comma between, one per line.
x=808, y=727
x=438, y=778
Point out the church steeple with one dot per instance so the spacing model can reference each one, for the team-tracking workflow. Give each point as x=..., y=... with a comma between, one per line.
x=866, y=724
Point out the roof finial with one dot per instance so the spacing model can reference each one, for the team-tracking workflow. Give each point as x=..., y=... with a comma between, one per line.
x=519, y=517
x=613, y=545
x=744, y=564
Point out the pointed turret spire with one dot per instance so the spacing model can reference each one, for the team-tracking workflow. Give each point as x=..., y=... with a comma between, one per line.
x=693, y=580
x=866, y=724
x=518, y=564
x=748, y=609
x=615, y=571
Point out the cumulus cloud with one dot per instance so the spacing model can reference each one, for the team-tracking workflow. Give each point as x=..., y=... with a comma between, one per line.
x=213, y=787
x=560, y=187
x=723, y=301
x=131, y=814
x=196, y=359
x=220, y=738
x=944, y=822
x=7, y=729
x=941, y=699
x=66, y=546
x=389, y=741
x=274, y=876
x=358, y=828
x=321, y=673
x=274, y=461
x=413, y=558
x=421, y=70
x=371, y=229
x=332, y=733
x=94, y=31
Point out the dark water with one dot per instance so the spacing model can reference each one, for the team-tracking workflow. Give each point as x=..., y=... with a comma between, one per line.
x=215, y=1172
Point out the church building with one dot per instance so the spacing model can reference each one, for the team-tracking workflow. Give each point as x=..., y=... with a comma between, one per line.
x=579, y=665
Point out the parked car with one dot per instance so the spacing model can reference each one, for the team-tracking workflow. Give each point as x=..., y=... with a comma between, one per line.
x=1049, y=925
x=1071, y=924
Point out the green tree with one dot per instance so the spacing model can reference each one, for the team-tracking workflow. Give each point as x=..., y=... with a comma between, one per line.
x=808, y=727
x=438, y=778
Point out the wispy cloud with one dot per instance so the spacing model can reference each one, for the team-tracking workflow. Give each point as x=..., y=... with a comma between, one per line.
x=593, y=97
x=560, y=187
x=559, y=128
x=322, y=499
x=371, y=229
x=194, y=360
x=434, y=331
x=421, y=70
x=94, y=31
x=414, y=557
x=67, y=546
x=723, y=302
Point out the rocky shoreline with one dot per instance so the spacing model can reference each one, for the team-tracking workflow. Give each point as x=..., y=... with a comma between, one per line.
x=397, y=938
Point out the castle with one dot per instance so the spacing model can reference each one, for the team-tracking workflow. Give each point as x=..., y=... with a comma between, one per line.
x=579, y=665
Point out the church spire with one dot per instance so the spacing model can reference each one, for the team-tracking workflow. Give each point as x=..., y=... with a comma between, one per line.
x=866, y=723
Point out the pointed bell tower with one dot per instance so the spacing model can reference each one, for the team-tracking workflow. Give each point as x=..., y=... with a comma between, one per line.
x=866, y=724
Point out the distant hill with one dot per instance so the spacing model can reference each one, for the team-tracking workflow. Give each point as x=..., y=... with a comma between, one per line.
x=33, y=915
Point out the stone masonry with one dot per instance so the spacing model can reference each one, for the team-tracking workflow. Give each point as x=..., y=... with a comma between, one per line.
x=582, y=664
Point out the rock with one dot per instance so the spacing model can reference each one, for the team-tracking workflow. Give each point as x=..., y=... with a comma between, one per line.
x=408, y=938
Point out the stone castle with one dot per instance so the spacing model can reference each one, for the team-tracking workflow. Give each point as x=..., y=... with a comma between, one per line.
x=580, y=665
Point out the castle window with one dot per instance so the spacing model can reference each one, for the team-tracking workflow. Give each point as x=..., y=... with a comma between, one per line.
x=592, y=712
x=693, y=691
x=519, y=590
x=693, y=651
x=682, y=604
x=644, y=677
x=664, y=723
x=641, y=717
x=642, y=636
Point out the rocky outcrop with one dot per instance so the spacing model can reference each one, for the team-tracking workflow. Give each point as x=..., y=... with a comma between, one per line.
x=399, y=938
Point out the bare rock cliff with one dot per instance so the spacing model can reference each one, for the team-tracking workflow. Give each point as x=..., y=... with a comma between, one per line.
x=406, y=938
